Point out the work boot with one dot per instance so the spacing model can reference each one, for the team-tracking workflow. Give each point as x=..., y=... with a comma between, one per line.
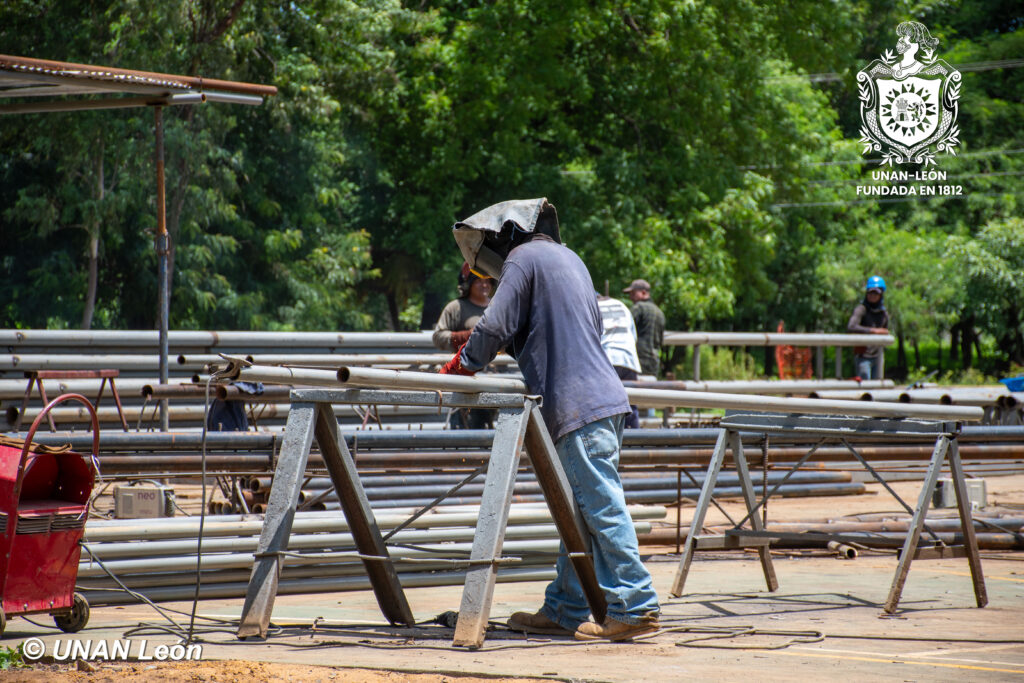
x=536, y=623
x=614, y=630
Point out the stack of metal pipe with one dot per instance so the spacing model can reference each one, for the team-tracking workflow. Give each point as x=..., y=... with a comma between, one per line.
x=158, y=557
x=1001, y=406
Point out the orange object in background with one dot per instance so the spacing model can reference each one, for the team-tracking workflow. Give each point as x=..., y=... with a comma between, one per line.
x=794, y=361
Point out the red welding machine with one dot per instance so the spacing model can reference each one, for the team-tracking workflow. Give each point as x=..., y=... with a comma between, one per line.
x=44, y=502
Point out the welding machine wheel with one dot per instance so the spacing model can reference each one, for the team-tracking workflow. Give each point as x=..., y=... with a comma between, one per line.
x=75, y=620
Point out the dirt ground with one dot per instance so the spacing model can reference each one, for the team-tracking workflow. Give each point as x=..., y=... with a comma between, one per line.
x=938, y=634
x=235, y=671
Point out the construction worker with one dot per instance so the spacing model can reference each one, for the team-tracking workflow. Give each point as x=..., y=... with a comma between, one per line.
x=452, y=330
x=618, y=339
x=870, y=317
x=650, y=326
x=545, y=314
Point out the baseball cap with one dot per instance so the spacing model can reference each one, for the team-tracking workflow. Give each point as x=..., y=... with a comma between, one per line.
x=638, y=284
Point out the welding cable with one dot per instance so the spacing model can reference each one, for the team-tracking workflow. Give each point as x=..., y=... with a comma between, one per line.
x=126, y=589
x=729, y=632
x=202, y=519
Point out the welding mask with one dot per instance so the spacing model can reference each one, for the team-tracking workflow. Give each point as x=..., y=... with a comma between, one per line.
x=486, y=238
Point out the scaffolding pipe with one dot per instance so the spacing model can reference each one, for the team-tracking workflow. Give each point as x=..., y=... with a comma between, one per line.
x=774, y=339
x=775, y=386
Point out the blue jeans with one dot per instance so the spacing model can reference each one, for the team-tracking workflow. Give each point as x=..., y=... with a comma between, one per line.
x=590, y=457
x=869, y=368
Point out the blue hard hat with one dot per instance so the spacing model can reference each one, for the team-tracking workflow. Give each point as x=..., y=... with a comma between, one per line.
x=875, y=282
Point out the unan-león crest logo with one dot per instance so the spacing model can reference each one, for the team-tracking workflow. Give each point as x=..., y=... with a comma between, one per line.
x=909, y=101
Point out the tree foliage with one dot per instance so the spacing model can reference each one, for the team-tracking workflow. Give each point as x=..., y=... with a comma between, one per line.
x=709, y=147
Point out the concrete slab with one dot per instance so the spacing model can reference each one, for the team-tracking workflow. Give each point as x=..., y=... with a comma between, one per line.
x=938, y=636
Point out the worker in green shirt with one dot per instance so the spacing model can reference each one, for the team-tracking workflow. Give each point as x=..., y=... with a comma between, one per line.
x=650, y=326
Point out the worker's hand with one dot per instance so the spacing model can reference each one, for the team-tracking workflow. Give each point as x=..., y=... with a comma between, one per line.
x=454, y=366
x=459, y=338
x=879, y=330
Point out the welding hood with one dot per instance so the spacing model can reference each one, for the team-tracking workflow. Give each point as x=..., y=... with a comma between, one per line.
x=486, y=237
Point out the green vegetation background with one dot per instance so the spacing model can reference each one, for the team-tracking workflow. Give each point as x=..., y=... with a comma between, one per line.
x=709, y=147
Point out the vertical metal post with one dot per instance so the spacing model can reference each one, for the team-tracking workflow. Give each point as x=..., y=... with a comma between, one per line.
x=564, y=510
x=917, y=524
x=963, y=504
x=736, y=444
x=509, y=434
x=696, y=363
x=277, y=523
x=819, y=362
x=697, y=522
x=162, y=252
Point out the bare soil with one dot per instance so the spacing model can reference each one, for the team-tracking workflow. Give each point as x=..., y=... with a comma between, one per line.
x=235, y=671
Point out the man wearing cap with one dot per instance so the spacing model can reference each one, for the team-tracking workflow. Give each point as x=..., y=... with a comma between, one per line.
x=545, y=315
x=650, y=326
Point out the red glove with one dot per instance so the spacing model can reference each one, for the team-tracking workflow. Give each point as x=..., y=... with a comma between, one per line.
x=459, y=338
x=454, y=366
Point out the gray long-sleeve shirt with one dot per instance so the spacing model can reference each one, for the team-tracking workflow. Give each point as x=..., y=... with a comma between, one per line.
x=545, y=315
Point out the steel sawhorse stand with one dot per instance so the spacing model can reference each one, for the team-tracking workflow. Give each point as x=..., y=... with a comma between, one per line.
x=843, y=429
x=519, y=424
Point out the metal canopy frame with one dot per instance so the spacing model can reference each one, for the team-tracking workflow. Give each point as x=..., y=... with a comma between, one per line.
x=52, y=86
x=519, y=424
x=842, y=429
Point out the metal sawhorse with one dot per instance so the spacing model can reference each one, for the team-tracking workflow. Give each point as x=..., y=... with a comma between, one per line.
x=843, y=429
x=519, y=424
x=36, y=377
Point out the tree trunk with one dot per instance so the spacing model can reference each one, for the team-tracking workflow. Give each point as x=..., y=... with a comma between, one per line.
x=433, y=304
x=917, y=354
x=966, y=334
x=393, y=310
x=94, y=250
x=901, y=357
x=954, y=345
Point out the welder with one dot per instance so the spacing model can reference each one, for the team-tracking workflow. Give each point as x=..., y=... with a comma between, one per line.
x=546, y=316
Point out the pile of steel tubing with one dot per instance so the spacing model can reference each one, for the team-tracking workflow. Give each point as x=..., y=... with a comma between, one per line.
x=405, y=490
x=994, y=532
x=961, y=395
x=269, y=412
x=151, y=454
x=157, y=557
x=398, y=379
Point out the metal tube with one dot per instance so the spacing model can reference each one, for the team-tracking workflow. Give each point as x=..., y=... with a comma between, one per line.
x=694, y=399
x=404, y=379
x=775, y=387
x=123, y=362
x=307, y=585
x=334, y=360
x=774, y=339
x=210, y=339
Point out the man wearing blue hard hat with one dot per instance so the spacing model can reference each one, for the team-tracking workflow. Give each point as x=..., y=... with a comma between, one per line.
x=870, y=317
